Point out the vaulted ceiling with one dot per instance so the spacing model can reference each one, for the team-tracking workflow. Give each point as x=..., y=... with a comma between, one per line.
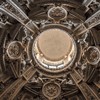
x=49, y=50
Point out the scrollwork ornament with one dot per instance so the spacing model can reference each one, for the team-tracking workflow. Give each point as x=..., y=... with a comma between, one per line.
x=92, y=55
x=51, y=90
x=14, y=50
x=57, y=13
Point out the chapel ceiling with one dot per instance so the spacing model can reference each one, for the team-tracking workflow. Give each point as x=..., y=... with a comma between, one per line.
x=49, y=49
